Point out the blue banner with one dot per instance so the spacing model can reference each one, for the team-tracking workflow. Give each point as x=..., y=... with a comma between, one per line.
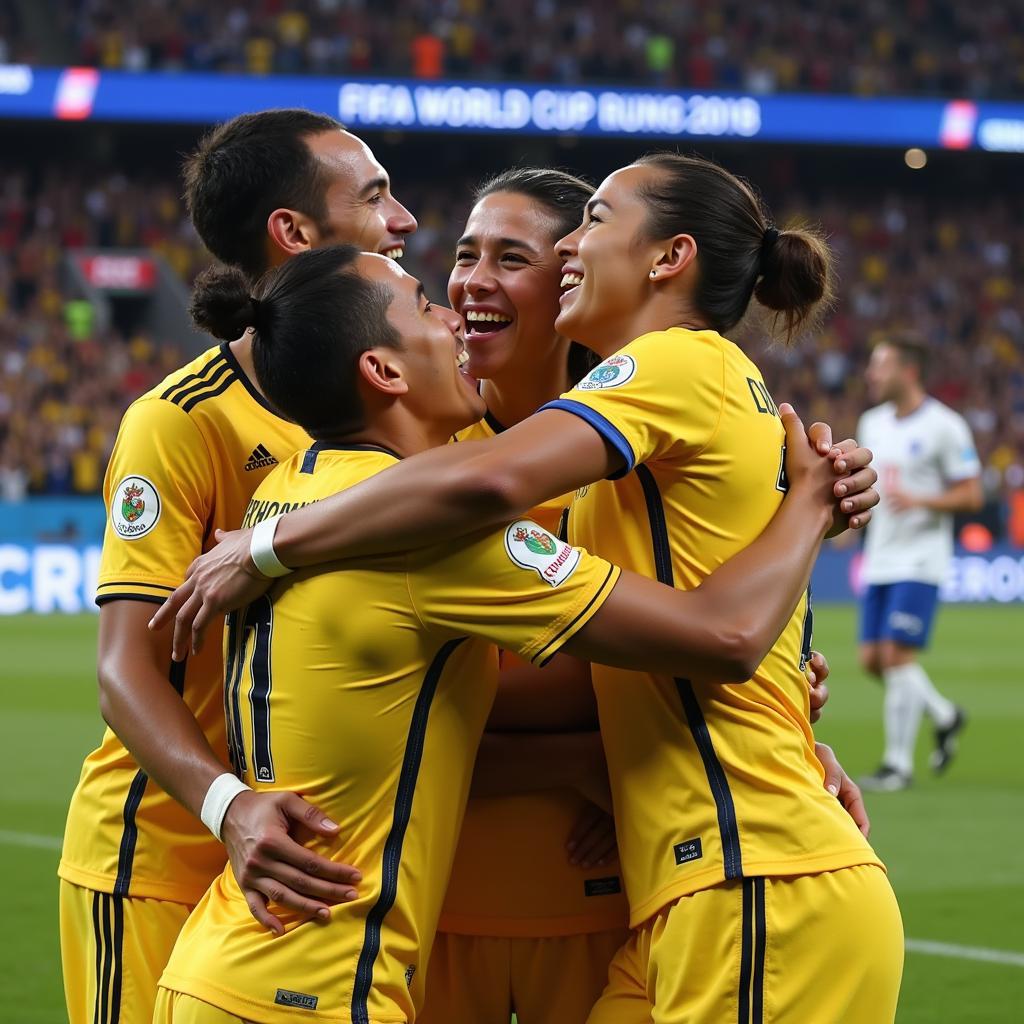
x=455, y=106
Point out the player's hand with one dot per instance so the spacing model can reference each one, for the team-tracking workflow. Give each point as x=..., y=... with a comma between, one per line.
x=217, y=582
x=817, y=672
x=855, y=489
x=843, y=788
x=592, y=839
x=271, y=867
x=808, y=467
x=900, y=501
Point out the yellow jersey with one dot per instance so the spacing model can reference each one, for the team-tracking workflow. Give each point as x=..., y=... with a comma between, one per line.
x=188, y=456
x=511, y=875
x=367, y=690
x=709, y=782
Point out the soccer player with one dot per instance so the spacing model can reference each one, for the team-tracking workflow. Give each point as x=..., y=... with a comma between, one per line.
x=367, y=687
x=928, y=470
x=523, y=927
x=189, y=455
x=676, y=448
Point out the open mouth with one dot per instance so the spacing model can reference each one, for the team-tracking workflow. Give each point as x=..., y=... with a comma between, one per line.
x=481, y=324
x=570, y=281
x=396, y=252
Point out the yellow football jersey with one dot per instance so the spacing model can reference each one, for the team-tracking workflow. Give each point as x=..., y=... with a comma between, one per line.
x=188, y=456
x=710, y=782
x=366, y=690
x=511, y=875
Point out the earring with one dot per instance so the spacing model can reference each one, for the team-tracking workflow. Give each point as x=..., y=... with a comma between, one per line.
x=654, y=274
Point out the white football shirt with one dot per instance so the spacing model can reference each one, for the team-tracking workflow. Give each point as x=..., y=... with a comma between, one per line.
x=922, y=454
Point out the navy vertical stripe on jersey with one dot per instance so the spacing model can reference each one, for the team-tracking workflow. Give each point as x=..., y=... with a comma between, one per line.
x=260, y=618
x=392, y=857
x=728, y=826
x=717, y=780
x=130, y=833
x=97, y=937
x=760, y=947
x=108, y=962
x=232, y=687
x=808, y=634
x=746, y=951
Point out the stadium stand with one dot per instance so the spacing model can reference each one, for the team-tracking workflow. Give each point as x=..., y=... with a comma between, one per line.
x=933, y=47
x=944, y=269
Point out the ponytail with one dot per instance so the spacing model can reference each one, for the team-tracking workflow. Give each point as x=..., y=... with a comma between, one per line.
x=221, y=304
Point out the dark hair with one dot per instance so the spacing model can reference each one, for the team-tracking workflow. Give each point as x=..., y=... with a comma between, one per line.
x=245, y=169
x=564, y=196
x=740, y=253
x=911, y=348
x=313, y=317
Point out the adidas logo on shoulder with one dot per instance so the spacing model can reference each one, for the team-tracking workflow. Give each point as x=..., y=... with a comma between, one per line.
x=260, y=459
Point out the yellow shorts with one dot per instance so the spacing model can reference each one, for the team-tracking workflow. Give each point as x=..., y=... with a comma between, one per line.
x=474, y=979
x=178, y=1008
x=826, y=948
x=113, y=950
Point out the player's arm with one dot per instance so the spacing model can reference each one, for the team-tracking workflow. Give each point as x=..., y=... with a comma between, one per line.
x=140, y=688
x=444, y=493
x=962, y=496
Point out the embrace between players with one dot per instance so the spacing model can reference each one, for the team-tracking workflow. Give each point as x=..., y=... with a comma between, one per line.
x=639, y=503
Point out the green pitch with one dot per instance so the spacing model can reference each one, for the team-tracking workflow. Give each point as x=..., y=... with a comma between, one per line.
x=953, y=845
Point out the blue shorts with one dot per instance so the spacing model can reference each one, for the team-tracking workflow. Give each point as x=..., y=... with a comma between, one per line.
x=902, y=612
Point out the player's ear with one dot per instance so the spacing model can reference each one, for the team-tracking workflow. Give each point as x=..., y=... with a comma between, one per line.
x=676, y=256
x=291, y=232
x=381, y=369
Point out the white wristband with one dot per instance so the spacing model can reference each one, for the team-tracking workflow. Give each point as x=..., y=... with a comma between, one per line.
x=218, y=798
x=261, y=549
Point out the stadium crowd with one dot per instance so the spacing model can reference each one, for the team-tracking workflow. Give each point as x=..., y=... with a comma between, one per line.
x=935, y=47
x=946, y=271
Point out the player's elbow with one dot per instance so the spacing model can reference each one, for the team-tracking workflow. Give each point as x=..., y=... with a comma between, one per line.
x=490, y=493
x=741, y=649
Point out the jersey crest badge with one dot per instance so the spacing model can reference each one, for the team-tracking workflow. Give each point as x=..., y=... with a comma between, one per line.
x=531, y=547
x=612, y=373
x=135, y=508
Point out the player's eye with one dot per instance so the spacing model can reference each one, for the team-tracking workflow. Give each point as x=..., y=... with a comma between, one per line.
x=463, y=255
x=512, y=257
x=376, y=200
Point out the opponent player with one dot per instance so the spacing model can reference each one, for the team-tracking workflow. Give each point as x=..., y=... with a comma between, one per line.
x=928, y=470
x=670, y=255
x=188, y=456
x=376, y=712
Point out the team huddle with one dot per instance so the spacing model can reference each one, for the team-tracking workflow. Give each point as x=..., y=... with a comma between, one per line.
x=512, y=711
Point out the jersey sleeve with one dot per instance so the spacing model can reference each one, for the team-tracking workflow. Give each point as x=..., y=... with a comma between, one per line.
x=158, y=490
x=957, y=455
x=661, y=396
x=521, y=588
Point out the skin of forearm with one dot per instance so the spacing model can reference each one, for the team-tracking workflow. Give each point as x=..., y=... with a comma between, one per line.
x=760, y=586
x=510, y=764
x=144, y=710
x=176, y=756
x=964, y=497
x=449, y=491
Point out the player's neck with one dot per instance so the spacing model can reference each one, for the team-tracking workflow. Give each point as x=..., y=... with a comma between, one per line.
x=909, y=402
x=241, y=349
x=399, y=432
x=522, y=389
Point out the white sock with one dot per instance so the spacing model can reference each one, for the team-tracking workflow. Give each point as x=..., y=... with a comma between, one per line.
x=904, y=705
x=940, y=710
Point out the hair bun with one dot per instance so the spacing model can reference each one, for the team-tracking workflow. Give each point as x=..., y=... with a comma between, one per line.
x=221, y=304
x=796, y=276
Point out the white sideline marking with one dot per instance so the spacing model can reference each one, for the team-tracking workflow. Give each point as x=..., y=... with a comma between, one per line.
x=924, y=946
x=990, y=956
x=29, y=839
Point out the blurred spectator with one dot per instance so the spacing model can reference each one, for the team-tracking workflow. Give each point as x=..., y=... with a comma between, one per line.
x=934, y=47
x=944, y=268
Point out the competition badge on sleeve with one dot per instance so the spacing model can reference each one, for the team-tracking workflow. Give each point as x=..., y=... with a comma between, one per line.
x=135, y=508
x=612, y=373
x=532, y=547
